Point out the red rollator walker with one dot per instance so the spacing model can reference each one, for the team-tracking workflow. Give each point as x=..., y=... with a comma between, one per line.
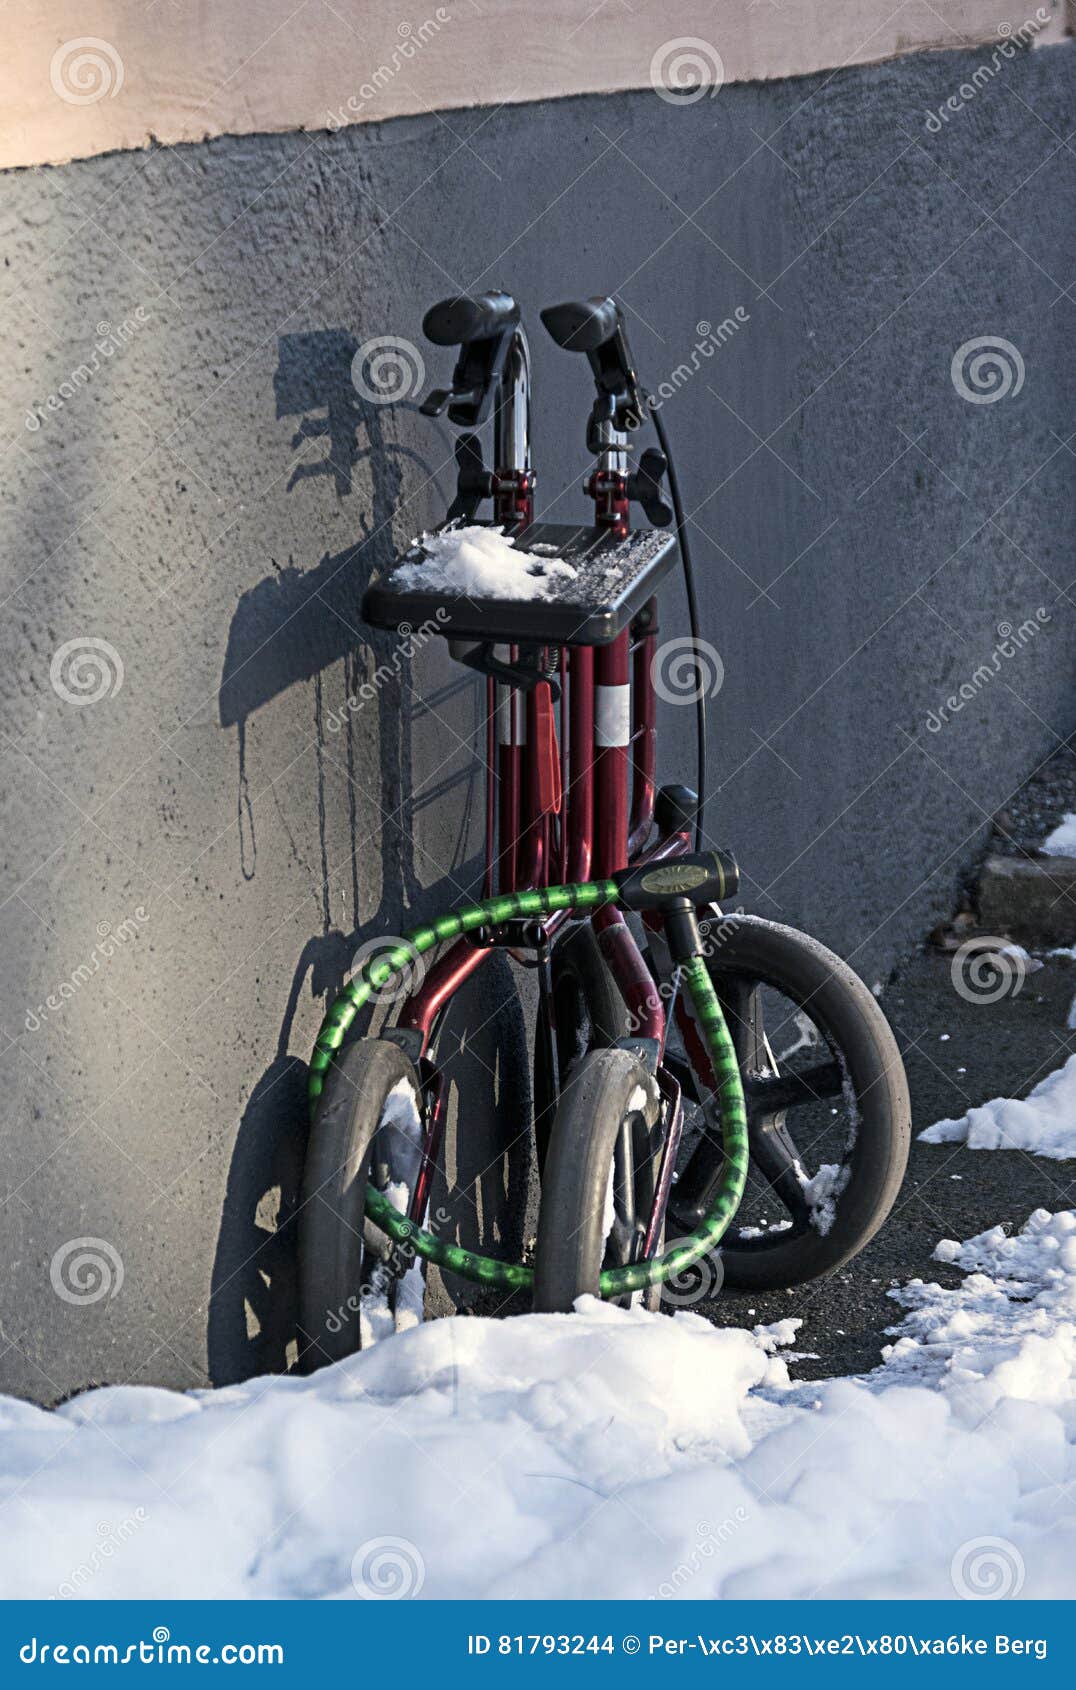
x=704, y=1082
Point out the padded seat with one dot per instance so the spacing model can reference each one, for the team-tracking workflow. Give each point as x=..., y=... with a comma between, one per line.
x=614, y=579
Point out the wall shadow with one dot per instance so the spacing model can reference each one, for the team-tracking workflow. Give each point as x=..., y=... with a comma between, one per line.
x=292, y=627
x=313, y=375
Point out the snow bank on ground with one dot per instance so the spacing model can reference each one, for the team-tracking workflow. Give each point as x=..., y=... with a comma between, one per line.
x=1044, y=1122
x=609, y=1453
x=1062, y=841
x=481, y=563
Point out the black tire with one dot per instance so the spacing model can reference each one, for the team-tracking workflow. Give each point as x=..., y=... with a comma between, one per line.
x=608, y=1118
x=338, y=1248
x=747, y=955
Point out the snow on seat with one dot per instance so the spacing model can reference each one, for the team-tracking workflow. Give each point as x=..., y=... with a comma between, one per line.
x=550, y=582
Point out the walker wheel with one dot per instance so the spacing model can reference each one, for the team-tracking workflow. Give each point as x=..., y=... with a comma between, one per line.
x=601, y=1175
x=354, y=1285
x=829, y=1120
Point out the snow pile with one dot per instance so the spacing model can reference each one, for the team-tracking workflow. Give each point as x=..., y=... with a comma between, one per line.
x=610, y=1453
x=1045, y=1122
x=1062, y=841
x=481, y=563
x=1010, y=1324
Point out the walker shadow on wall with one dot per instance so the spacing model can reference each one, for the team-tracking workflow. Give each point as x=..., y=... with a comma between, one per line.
x=291, y=628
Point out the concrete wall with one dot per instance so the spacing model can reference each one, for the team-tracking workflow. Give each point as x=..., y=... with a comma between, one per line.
x=210, y=498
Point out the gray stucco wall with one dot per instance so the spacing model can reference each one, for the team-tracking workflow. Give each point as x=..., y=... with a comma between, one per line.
x=212, y=499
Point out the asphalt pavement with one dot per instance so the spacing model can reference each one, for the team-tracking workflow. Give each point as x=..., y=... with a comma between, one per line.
x=957, y=1054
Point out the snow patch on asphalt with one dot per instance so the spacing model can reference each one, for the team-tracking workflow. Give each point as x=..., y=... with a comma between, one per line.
x=1044, y=1122
x=1062, y=841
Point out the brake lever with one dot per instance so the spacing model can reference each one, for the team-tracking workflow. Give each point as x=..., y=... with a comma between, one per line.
x=475, y=380
x=435, y=401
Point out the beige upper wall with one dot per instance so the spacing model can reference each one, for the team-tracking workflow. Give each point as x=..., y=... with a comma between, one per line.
x=79, y=77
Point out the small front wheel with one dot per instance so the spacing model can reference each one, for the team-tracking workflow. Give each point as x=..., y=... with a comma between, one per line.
x=601, y=1177
x=353, y=1285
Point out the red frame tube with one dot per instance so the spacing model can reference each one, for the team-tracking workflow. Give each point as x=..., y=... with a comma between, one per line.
x=612, y=734
x=607, y=723
x=445, y=977
x=510, y=733
x=534, y=830
x=435, y=1097
x=579, y=788
x=491, y=773
x=644, y=734
x=670, y=1091
x=634, y=980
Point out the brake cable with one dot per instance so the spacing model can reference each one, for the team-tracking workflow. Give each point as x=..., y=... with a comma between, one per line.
x=692, y=614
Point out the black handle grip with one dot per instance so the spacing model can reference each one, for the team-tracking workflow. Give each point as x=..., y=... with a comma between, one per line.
x=703, y=877
x=582, y=325
x=596, y=327
x=458, y=321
